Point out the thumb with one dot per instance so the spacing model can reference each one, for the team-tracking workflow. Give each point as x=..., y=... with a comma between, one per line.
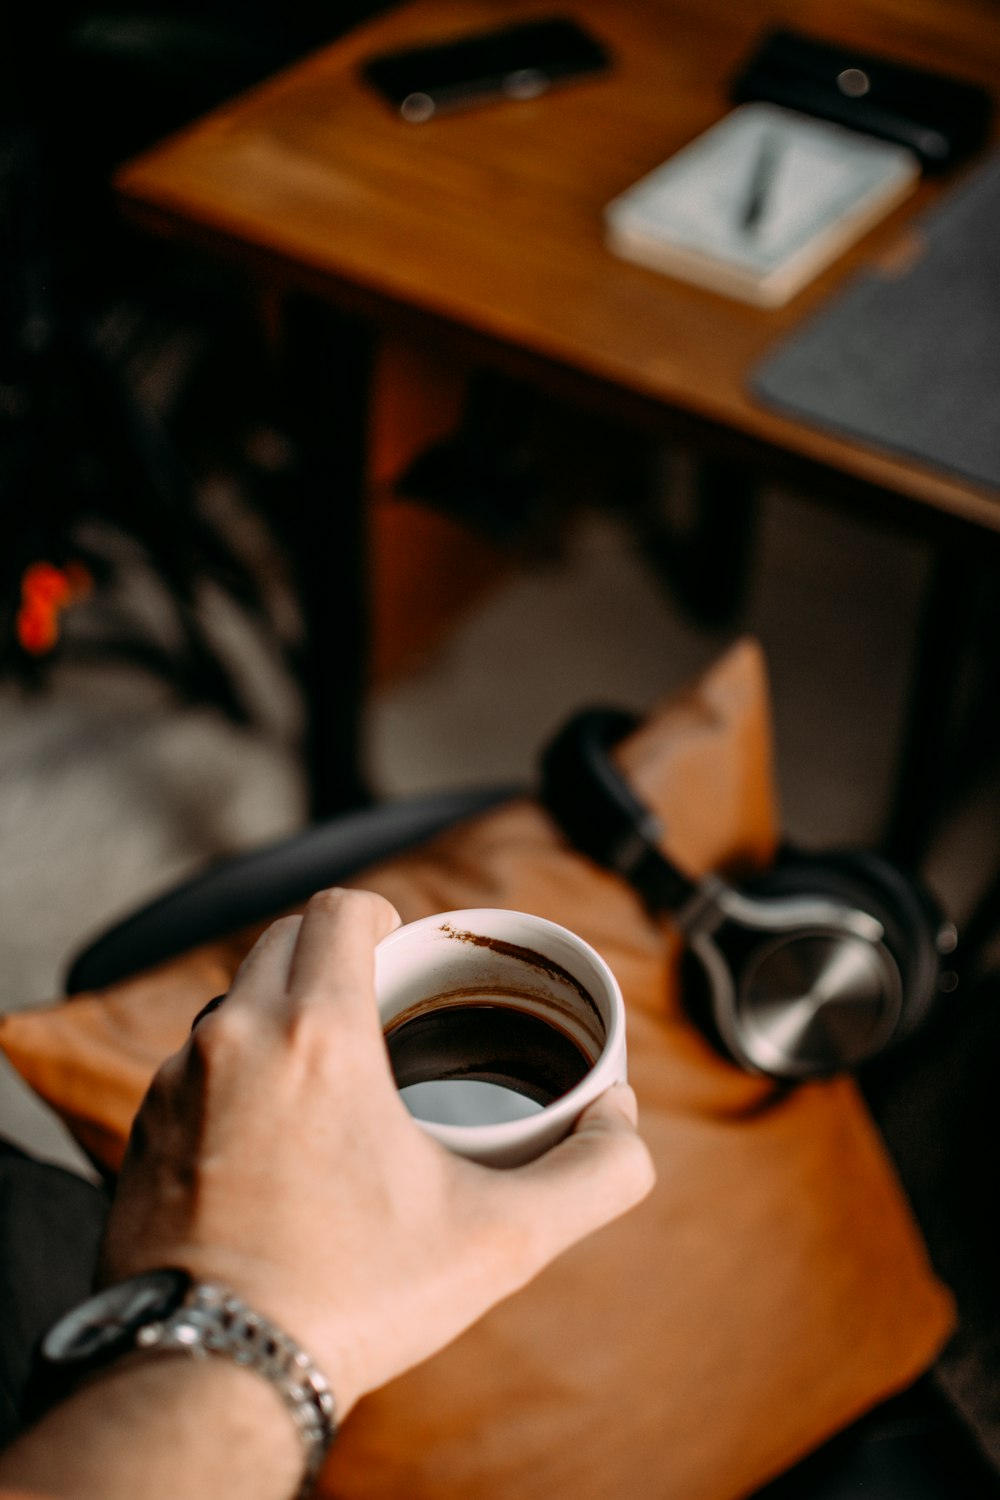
x=598, y=1172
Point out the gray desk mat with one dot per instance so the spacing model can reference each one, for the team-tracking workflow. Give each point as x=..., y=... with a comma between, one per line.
x=911, y=361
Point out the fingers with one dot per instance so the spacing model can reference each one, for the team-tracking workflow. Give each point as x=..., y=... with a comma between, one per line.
x=326, y=952
x=264, y=974
x=619, y=1100
x=592, y=1177
x=334, y=953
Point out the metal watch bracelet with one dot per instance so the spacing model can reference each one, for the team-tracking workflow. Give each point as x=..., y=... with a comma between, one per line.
x=214, y=1320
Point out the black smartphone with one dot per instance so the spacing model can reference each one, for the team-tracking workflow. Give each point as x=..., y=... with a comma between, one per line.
x=516, y=62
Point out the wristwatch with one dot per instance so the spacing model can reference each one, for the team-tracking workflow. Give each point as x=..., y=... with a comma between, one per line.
x=166, y=1311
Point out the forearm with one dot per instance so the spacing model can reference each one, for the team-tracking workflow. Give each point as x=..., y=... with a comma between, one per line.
x=160, y=1427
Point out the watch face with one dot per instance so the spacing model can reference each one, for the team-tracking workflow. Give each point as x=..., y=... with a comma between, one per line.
x=108, y=1321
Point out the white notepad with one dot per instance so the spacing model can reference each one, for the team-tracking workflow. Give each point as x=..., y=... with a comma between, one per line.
x=759, y=204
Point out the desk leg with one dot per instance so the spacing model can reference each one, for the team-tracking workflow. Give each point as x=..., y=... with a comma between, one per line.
x=922, y=778
x=951, y=734
x=705, y=558
x=323, y=525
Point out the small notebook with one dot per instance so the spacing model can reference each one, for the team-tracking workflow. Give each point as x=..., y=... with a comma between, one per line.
x=760, y=204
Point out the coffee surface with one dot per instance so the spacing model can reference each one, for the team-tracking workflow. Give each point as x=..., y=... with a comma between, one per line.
x=477, y=1055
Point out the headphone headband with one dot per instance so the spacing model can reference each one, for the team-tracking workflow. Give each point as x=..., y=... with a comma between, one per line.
x=600, y=814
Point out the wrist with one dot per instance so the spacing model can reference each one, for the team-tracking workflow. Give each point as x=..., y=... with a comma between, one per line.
x=323, y=1327
x=213, y=1320
x=162, y=1426
x=166, y=1313
x=215, y=1403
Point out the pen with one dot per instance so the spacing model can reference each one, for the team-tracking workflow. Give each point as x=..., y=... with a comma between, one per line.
x=761, y=183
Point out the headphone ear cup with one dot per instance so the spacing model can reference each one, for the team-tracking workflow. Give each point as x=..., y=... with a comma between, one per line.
x=911, y=920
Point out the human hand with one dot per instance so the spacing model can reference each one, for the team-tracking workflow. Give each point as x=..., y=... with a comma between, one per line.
x=273, y=1153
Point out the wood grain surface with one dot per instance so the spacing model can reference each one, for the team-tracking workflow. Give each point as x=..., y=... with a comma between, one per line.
x=485, y=225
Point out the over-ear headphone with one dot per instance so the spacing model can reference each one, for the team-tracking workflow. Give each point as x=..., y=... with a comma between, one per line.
x=813, y=967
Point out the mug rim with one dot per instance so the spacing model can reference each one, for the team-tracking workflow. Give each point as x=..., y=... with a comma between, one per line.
x=576, y=1099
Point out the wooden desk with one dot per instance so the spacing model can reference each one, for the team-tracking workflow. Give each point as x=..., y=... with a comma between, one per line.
x=478, y=235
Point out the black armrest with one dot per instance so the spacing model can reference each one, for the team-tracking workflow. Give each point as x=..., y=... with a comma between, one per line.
x=254, y=886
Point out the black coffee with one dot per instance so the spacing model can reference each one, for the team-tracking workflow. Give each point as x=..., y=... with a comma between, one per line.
x=477, y=1055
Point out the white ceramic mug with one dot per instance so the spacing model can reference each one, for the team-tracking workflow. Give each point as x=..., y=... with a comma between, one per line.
x=508, y=960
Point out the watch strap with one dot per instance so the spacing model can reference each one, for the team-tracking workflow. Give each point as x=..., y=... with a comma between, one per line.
x=211, y=1319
